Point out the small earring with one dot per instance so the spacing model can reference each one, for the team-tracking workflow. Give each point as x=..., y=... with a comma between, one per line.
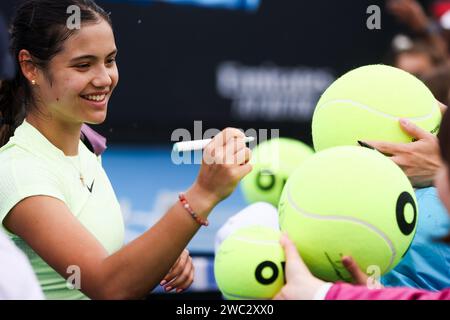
x=33, y=82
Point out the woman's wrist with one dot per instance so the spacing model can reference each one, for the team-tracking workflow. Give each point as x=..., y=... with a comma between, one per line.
x=202, y=201
x=312, y=287
x=322, y=291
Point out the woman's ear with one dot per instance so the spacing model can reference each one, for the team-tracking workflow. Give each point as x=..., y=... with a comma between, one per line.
x=27, y=66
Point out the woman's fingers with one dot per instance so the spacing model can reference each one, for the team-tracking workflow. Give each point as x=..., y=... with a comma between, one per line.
x=177, y=268
x=358, y=276
x=184, y=279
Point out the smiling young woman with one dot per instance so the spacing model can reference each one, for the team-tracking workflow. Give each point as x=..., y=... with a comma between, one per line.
x=56, y=201
x=74, y=83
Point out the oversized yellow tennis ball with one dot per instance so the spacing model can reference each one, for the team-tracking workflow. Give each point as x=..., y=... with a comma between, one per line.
x=349, y=201
x=273, y=161
x=249, y=264
x=366, y=104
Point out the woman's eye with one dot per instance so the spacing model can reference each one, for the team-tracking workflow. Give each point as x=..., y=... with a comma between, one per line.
x=82, y=65
x=111, y=60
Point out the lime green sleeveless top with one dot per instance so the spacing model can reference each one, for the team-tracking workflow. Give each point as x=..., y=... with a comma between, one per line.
x=30, y=166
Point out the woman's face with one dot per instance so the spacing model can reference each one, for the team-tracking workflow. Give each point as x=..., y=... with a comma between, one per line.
x=442, y=184
x=81, y=78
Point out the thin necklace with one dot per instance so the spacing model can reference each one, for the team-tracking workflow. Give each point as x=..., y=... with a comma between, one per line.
x=78, y=168
x=81, y=174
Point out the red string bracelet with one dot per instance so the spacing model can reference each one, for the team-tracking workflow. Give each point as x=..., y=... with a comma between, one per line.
x=188, y=208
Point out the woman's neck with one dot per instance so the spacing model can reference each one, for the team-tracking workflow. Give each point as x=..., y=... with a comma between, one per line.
x=64, y=135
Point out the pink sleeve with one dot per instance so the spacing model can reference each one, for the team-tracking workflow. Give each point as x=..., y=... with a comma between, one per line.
x=344, y=291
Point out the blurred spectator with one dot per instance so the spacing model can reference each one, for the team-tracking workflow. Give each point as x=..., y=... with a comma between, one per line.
x=438, y=81
x=441, y=12
x=413, y=15
x=416, y=57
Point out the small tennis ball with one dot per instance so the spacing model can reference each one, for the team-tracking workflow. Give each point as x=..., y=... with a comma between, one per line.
x=273, y=161
x=349, y=201
x=366, y=104
x=249, y=264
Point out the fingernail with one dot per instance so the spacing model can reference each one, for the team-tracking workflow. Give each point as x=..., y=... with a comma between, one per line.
x=366, y=145
x=404, y=122
x=179, y=290
x=162, y=282
x=168, y=288
x=346, y=261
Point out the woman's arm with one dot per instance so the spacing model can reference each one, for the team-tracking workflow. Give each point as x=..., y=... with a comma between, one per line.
x=48, y=227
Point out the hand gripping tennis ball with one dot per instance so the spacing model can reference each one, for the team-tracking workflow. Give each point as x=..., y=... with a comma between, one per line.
x=249, y=264
x=349, y=201
x=369, y=98
x=273, y=161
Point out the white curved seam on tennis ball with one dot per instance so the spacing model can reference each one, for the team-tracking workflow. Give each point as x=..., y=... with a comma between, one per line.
x=346, y=218
x=383, y=114
x=264, y=242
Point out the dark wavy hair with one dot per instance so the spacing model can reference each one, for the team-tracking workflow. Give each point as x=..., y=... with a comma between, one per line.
x=39, y=26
